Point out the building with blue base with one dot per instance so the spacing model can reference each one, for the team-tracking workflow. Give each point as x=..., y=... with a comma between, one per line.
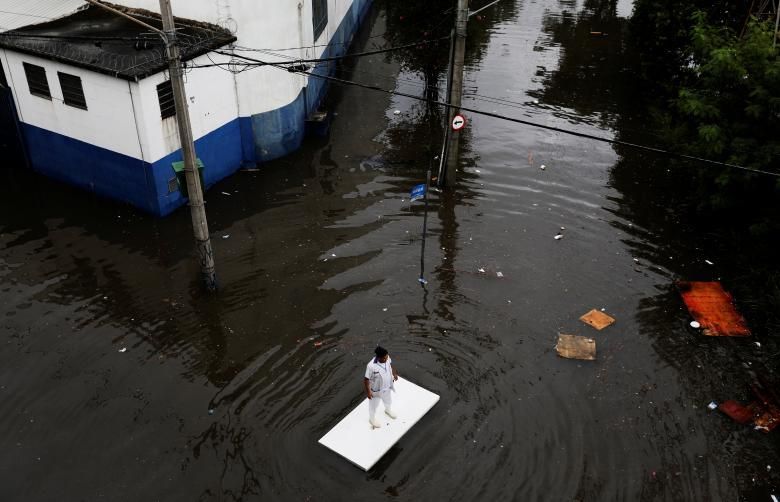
x=87, y=94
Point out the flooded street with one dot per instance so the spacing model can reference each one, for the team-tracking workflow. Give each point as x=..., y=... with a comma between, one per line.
x=121, y=379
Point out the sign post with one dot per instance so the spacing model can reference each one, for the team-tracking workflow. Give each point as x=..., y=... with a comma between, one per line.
x=421, y=192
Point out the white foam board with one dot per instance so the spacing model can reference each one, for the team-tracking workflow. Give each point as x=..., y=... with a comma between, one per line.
x=356, y=440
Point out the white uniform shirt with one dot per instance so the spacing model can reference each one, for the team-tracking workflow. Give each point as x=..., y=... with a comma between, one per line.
x=380, y=375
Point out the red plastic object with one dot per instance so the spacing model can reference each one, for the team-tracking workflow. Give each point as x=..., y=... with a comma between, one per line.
x=737, y=412
x=713, y=308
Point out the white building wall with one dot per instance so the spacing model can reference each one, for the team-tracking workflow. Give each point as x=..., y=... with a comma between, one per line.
x=107, y=99
x=262, y=24
x=211, y=100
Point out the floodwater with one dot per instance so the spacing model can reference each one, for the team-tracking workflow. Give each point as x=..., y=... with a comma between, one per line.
x=122, y=380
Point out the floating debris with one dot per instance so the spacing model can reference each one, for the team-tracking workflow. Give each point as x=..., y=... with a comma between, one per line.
x=708, y=262
x=597, y=319
x=713, y=405
x=542, y=167
x=712, y=307
x=226, y=236
x=481, y=270
x=576, y=347
x=123, y=350
x=695, y=324
x=558, y=236
x=397, y=112
x=499, y=275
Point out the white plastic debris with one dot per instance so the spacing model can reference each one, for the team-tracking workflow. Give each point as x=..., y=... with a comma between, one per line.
x=333, y=255
x=499, y=274
x=226, y=236
x=558, y=237
x=536, y=101
x=123, y=350
x=542, y=167
x=481, y=270
x=397, y=112
x=636, y=260
x=708, y=262
x=384, y=309
x=758, y=344
x=695, y=325
x=774, y=498
x=713, y=405
x=225, y=193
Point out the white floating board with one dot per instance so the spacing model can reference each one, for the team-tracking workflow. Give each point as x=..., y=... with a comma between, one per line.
x=356, y=440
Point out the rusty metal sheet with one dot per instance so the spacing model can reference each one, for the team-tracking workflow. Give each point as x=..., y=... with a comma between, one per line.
x=576, y=347
x=713, y=308
x=597, y=319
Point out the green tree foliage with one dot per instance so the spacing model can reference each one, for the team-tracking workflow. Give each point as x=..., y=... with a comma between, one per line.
x=729, y=104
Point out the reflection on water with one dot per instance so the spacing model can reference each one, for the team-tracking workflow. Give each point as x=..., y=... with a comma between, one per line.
x=121, y=379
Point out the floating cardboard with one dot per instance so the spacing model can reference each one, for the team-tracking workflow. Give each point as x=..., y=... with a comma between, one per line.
x=713, y=308
x=576, y=347
x=356, y=440
x=597, y=319
x=768, y=420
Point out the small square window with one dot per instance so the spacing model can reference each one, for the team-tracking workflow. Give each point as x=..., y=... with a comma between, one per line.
x=72, y=91
x=36, y=80
x=319, y=16
x=165, y=96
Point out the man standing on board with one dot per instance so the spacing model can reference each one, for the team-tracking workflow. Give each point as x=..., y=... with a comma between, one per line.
x=378, y=383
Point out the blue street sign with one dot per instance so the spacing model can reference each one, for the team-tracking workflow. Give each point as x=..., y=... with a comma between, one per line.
x=418, y=192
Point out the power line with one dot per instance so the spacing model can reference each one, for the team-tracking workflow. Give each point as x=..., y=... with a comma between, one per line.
x=356, y=54
x=23, y=14
x=522, y=121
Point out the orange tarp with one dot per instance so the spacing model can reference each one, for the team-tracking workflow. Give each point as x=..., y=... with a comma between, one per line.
x=713, y=308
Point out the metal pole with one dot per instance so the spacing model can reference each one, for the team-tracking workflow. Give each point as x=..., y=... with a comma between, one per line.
x=456, y=90
x=448, y=119
x=425, y=227
x=194, y=190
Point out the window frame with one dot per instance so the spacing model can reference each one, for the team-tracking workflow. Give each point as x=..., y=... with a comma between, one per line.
x=80, y=104
x=319, y=7
x=169, y=110
x=29, y=68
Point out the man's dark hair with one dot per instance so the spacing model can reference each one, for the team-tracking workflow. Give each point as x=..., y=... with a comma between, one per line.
x=380, y=351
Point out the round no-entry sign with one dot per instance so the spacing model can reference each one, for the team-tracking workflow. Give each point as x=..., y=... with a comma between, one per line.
x=458, y=122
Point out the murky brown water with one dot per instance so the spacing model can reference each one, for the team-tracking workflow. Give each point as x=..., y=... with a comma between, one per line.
x=224, y=398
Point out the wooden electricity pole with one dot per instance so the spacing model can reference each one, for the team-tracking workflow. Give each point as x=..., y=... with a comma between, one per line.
x=195, y=192
x=456, y=91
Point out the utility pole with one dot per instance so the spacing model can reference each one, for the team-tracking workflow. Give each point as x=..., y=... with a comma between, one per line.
x=456, y=90
x=197, y=208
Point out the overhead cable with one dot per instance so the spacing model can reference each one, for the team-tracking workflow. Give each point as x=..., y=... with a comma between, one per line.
x=522, y=121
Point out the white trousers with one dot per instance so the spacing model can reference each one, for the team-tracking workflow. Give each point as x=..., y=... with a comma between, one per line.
x=385, y=396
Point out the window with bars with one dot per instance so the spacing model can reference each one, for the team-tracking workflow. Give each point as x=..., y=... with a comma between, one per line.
x=319, y=16
x=165, y=96
x=36, y=80
x=72, y=90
